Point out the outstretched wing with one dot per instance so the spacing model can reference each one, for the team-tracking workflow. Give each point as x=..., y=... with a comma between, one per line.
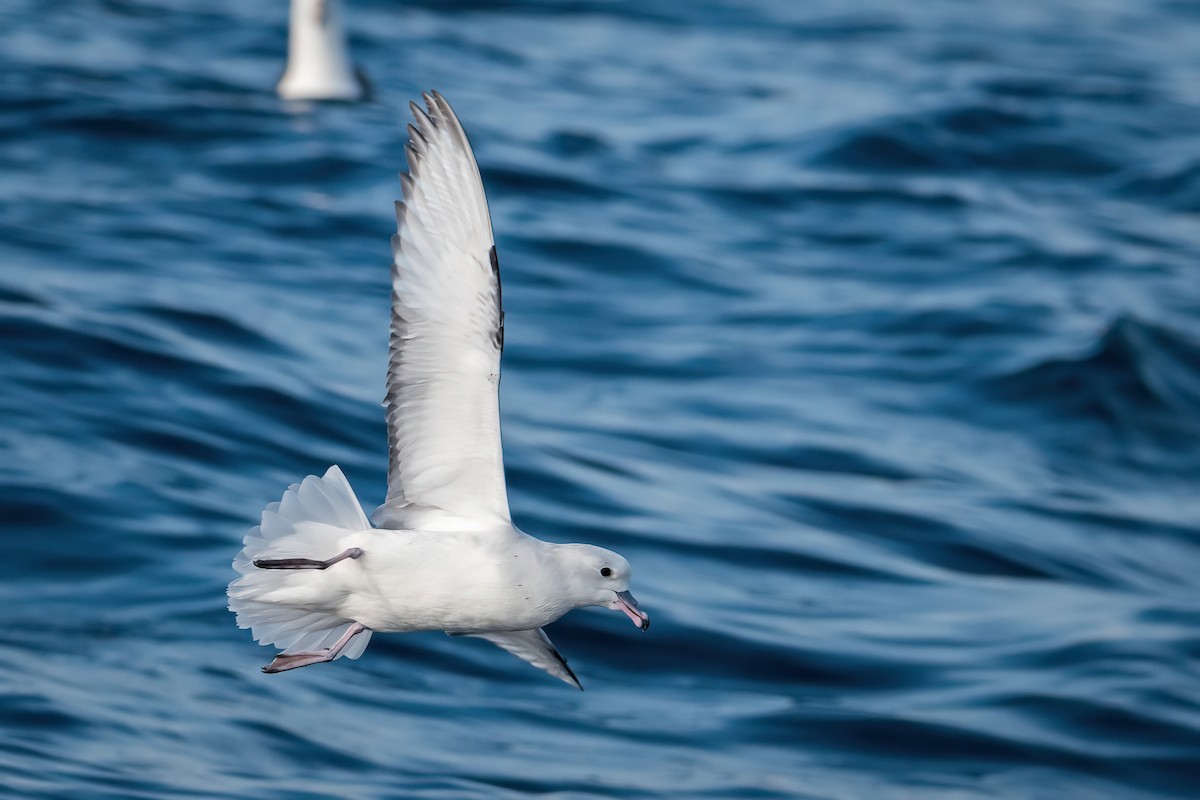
x=535, y=647
x=447, y=334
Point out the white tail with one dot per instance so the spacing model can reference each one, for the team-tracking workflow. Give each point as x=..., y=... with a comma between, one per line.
x=306, y=523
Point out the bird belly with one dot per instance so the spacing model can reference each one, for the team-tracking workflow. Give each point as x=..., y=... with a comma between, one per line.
x=411, y=581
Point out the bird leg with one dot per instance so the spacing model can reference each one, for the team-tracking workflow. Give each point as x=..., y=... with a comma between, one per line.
x=306, y=563
x=286, y=661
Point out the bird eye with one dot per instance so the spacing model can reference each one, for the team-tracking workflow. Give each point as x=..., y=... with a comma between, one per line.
x=606, y=572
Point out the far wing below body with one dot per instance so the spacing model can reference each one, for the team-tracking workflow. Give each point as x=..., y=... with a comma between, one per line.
x=535, y=647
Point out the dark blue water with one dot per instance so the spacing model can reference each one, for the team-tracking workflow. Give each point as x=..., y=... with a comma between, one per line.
x=869, y=333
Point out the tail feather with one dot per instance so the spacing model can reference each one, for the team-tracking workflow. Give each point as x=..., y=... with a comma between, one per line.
x=307, y=522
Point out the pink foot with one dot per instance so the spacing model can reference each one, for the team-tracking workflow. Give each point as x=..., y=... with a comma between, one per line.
x=285, y=661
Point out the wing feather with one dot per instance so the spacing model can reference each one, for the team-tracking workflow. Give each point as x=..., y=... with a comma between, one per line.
x=535, y=647
x=446, y=336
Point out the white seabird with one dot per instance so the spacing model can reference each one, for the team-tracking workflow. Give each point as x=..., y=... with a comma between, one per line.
x=318, y=63
x=316, y=579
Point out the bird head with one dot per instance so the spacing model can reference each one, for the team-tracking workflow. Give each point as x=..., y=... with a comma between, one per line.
x=601, y=577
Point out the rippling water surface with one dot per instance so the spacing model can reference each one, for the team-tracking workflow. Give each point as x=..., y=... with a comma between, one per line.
x=871, y=334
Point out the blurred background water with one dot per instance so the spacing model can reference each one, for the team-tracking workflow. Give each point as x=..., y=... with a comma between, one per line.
x=870, y=332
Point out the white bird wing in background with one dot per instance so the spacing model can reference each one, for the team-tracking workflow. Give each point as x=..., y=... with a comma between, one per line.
x=447, y=334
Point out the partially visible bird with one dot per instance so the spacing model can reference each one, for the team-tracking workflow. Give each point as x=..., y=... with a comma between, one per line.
x=318, y=63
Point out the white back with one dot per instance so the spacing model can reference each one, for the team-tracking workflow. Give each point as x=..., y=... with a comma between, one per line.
x=318, y=65
x=447, y=334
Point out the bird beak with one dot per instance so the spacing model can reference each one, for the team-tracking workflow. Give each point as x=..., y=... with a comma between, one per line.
x=626, y=603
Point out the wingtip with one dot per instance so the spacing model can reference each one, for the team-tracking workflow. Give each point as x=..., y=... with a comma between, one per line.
x=573, y=679
x=439, y=110
x=442, y=105
x=563, y=661
x=446, y=111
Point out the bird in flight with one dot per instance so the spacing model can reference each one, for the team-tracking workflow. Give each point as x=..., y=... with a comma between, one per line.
x=316, y=579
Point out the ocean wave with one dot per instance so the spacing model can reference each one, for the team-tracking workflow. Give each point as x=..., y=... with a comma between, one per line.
x=1135, y=378
x=1172, y=186
x=869, y=336
x=966, y=138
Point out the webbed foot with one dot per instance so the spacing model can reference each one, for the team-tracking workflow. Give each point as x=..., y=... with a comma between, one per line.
x=306, y=563
x=285, y=661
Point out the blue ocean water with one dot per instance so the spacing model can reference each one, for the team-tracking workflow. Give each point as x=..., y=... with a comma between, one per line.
x=869, y=332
